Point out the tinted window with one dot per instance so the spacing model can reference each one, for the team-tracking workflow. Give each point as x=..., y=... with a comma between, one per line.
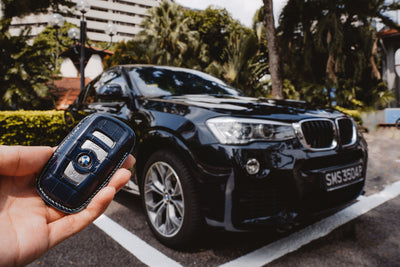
x=111, y=77
x=154, y=81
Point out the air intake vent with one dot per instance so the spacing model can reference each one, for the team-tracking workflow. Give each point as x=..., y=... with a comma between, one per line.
x=319, y=134
x=347, y=131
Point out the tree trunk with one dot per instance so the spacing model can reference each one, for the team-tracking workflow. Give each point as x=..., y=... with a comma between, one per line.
x=375, y=71
x=274, y=60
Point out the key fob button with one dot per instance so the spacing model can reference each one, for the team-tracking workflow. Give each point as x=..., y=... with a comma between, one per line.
x=101, y=154
x=72, y=175
x=104, y=138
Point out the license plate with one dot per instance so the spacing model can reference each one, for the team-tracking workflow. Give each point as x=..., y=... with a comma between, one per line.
x=338, y=178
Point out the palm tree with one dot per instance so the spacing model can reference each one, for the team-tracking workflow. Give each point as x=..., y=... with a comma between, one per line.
x=239, y=53
x=328, y=49
x=168, y=36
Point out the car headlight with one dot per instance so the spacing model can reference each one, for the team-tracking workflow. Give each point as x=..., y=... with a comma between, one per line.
x=230, y=130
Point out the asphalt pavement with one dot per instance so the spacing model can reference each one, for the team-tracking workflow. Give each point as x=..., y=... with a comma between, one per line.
x=371, y=239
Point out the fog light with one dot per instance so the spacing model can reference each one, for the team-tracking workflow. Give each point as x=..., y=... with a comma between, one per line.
x=252, y=166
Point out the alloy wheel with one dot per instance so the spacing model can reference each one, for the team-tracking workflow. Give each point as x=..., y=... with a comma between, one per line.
x=164, y=200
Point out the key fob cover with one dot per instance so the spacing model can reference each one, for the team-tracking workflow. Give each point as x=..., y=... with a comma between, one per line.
x=84, y=162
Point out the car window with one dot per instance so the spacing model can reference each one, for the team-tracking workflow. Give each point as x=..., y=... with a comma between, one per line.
x=111, y=77
x=155, y=81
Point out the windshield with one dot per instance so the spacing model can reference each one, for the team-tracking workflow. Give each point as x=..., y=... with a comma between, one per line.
x=163, y=81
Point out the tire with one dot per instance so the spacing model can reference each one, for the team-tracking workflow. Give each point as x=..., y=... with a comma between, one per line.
x=397, y=124
x=170, y=199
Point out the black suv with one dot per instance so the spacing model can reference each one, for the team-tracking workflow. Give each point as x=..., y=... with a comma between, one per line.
x=207, y=153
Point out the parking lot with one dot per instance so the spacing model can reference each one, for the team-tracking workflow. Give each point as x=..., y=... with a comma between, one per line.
x=364, y=233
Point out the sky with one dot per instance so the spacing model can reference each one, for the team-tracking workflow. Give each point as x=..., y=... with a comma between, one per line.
x=243, y=10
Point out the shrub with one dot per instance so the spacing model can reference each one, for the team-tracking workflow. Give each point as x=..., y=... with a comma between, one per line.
x=32, y=128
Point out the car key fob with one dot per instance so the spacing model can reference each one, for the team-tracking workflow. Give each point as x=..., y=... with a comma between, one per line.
x=84, y=162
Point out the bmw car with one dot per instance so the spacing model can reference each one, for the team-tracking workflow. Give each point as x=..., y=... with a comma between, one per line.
x=207, y=154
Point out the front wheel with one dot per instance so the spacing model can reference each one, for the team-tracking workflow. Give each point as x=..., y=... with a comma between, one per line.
x=169, y=198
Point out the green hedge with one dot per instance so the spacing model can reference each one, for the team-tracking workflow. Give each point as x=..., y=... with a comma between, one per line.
x=32, y=128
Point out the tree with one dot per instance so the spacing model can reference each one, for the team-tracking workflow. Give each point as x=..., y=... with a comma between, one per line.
x=25, y=68
x=23, y=84
x=327, y=49
x=167, y=35
x=213, y=26
x=48, y=37
x=130, y=52
x=274, y=60
x=208, y=40
x=239, y=53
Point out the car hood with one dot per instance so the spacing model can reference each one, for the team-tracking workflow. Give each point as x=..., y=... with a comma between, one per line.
x=243, y=106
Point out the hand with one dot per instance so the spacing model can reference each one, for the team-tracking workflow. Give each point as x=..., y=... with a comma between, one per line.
x=28, y=227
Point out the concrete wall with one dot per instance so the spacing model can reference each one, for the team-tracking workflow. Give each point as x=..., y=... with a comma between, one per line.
x=372, y=119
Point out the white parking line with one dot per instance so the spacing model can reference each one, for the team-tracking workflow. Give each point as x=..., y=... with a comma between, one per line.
x=140, y=249
x=152, y=257
x=320, y=229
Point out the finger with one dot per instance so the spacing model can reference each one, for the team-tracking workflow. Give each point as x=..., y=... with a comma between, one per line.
x=120, y=179
x=69, y=225
x=21, y=160
x=129, y=162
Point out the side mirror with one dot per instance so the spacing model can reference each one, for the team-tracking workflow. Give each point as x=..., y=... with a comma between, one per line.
x=110, y=91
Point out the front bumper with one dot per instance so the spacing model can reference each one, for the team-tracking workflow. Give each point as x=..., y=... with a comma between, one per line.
x=289, y=184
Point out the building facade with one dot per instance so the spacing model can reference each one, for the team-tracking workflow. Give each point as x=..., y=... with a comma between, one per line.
x=126, y=15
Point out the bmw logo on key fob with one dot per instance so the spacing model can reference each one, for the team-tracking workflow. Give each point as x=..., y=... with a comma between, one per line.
x=84, y=162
